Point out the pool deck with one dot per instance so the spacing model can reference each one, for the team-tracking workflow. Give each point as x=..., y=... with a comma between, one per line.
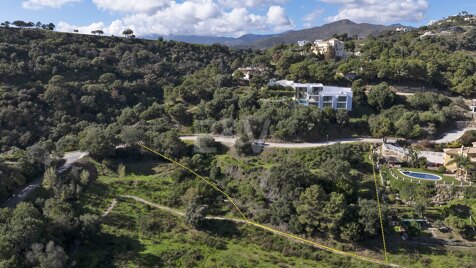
x=446, y=180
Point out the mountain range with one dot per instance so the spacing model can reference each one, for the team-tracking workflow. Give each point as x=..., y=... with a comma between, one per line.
x=258, y=41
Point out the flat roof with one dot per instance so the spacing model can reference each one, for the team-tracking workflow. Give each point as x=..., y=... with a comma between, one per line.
x=337, y=90
x=466, y=150
x=334, y=90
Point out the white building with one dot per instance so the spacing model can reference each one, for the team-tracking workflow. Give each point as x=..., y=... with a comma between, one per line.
x=401, y=29
x=322, y=47
x=470, y=19
x=302, y=43
x=473, y=105
x=316, y=94
x=427, y=34
x=249, y=72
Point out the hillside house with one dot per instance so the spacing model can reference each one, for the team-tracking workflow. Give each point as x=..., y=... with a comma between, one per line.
x=473, y=105
x=321, y=47
x=249, y=72
x=427, y=34
x=316, y=94
x=470, y=19
x=402, y=29
x=468, y=174
x=302, y=43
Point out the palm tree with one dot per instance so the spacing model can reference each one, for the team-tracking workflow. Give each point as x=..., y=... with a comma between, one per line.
x=463, y=163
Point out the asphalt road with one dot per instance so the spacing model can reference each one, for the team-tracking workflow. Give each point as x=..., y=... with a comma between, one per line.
x=231, y=140
x=228, y=140
x=22, y=193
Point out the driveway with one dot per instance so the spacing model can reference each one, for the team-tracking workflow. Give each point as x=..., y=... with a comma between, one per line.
x=453, y=135
x=22, y=193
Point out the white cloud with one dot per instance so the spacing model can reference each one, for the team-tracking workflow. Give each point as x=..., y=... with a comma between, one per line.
x=65, y=27
x=130, y=6
x=37, y=4
x=379, y=11
x=250, y=3
x=311, y=17
x=277, y=17
x=192, y=17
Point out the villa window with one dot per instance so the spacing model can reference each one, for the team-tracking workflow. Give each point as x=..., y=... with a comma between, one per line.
x=341, y=105
x=314, y=99
x=327, y=101
x=300, y=92
x=316, y=90
x=342, y=99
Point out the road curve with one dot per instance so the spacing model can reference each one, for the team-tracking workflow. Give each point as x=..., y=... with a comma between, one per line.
x=453, y=135
x=22, y=193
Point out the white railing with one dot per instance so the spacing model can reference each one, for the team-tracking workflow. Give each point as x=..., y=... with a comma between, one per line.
x=395, y=149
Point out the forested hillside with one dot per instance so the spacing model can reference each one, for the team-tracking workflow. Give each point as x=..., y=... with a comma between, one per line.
x=53, y=79
x=62, y=92
x=54, y=85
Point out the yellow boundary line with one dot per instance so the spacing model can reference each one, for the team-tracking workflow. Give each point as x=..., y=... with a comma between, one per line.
x=212, y=184
x=378, y=204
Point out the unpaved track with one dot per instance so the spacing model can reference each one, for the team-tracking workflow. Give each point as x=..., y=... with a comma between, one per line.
x=182, y=214
x=110, y=208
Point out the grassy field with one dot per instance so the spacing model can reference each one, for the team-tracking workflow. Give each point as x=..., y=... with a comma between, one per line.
x=220, y=244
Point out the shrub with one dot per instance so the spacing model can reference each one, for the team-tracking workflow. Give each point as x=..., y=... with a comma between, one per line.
x=441, y=169
x=468, y=138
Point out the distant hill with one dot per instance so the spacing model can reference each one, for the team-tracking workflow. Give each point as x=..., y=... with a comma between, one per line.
x=323, y=32
x=244, y=41
x=266, y=41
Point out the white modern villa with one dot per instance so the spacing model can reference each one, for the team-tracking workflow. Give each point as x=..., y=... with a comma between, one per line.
x=316, y=94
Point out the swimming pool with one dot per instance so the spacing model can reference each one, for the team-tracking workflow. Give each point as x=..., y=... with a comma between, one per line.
x=420, y=175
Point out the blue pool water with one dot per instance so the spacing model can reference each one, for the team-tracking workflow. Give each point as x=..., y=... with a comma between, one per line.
x=421, y=175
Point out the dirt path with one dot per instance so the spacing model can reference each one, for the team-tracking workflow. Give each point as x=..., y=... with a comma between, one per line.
x=277, y=232
x=110, y=208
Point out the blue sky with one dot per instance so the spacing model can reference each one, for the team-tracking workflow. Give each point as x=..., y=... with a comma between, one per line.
x=223, y=17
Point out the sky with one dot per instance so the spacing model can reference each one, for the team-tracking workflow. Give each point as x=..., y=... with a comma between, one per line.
x=223, y=17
